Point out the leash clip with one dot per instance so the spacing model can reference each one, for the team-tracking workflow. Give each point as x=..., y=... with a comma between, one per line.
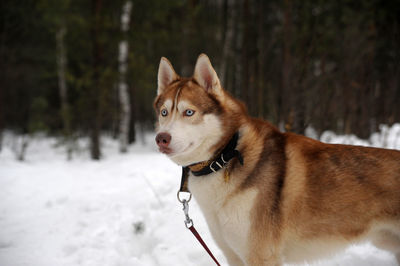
x=188, y=221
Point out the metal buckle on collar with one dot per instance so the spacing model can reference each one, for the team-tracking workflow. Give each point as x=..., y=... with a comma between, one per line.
x=212, y=167
x=217, y=163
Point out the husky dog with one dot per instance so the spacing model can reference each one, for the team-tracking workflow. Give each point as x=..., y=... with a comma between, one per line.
x=269, y=197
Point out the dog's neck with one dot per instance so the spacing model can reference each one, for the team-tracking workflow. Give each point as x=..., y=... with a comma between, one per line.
x=227, y=153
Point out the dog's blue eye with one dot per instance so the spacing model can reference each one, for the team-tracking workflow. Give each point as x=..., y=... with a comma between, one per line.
x=189, y=112
x=164, y=112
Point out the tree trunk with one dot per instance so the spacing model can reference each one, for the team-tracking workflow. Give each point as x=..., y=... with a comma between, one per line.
x=287, y=108
x=245, y=86
x=237, y=71
x=97, y=58
x=188, y=17
x=124, y=98
x=260, y=60
x=19, y=146
x=134, y=111
x=230, y=7
x=63, y=89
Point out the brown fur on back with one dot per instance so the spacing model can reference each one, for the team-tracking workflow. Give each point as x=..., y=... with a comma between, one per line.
x=309, y=190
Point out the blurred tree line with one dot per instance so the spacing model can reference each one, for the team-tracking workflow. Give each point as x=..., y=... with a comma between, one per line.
x=326, y=64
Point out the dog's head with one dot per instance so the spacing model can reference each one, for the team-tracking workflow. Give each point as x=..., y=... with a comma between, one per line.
x=193, y=113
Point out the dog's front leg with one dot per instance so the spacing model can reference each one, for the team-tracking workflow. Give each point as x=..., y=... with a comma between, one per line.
x=232, y=258
x=263, y=253
x=263, y=260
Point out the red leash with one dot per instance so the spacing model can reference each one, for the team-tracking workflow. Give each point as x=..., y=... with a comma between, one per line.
x=197, y=235
x=189, y=225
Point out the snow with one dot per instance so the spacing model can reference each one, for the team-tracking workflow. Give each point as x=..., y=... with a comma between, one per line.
x=119, y=211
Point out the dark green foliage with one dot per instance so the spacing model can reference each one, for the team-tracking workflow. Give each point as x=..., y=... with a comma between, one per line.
x=332, y=65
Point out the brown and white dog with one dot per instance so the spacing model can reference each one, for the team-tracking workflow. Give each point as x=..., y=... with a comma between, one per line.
x=294, y=199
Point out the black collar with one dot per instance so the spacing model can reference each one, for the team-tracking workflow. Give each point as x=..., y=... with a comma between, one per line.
x=227, y=154
x=212, y=166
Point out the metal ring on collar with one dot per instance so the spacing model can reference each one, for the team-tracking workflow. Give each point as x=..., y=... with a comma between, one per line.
x=183, y=200
x=222, y=158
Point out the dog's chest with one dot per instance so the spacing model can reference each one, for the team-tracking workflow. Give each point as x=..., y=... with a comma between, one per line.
x=227, y=210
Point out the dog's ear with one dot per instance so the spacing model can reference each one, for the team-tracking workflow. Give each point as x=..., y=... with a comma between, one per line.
x=206, y=76
x=166, y=75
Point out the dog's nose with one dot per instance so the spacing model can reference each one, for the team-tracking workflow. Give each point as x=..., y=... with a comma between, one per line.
x=163, y=139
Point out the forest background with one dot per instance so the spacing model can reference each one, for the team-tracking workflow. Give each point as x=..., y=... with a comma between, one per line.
x=74, y=68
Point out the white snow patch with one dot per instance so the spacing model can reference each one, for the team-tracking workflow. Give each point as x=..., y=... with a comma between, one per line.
x=119, y=211
x=387, y=137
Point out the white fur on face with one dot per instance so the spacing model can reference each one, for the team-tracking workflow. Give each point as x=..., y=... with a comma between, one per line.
x=192, y=137
x=195, y=141
x=168, y=105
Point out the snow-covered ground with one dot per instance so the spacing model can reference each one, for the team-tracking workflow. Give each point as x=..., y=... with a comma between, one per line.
x=117, y=212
